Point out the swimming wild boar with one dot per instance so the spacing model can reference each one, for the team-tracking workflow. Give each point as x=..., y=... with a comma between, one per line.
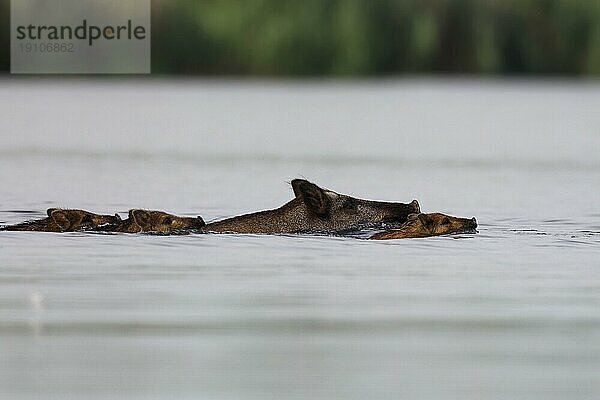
x=425, y=225
x=157, y=221
x=317, y=210
x=60, y=220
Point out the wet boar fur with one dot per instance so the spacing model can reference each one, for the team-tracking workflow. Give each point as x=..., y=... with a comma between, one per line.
x=157, y=221
x=60, y=220
x=425, y=225
x=317, y=210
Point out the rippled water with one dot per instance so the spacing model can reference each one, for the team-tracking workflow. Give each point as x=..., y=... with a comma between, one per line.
x=512, y=312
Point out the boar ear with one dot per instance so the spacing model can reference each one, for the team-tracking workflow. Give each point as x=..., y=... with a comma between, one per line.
x=427, y=222
x=200, y=221
x=313, y=196
x=296, y=183
x=60, y=218
x=50, y=211
x=140, y=217
x=118, y=217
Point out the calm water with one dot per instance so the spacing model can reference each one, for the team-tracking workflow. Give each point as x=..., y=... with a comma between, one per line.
x=510, y=313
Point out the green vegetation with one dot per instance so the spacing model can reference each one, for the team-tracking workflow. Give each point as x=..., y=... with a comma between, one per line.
x=374, y=37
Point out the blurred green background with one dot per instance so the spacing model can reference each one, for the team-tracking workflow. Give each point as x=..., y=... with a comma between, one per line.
x=369, y=37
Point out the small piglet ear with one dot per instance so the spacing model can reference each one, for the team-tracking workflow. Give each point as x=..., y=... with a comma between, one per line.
x=416, y=206
x=412, y=217
x=50, y=211
x=118, y=217
x=141, y=217
x=61, y=219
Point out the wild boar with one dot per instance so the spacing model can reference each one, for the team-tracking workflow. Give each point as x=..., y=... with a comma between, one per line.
x=317, y=210
x=157, y=221
x=61, y=220
x=425, y=225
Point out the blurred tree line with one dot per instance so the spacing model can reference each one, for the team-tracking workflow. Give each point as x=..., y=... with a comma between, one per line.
x=371, y=37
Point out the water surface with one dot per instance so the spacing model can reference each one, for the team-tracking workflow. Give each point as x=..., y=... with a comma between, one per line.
x=512, y=312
